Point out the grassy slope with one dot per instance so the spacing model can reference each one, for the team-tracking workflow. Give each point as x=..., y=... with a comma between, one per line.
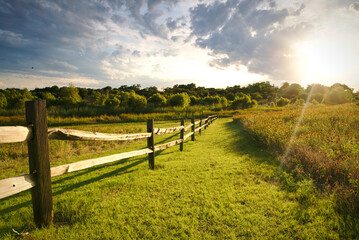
x=219, y=187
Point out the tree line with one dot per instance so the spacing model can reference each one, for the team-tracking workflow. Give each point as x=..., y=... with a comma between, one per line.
x=181, y=96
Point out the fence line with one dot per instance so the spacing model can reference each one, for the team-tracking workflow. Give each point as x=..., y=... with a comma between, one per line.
x=37, y=136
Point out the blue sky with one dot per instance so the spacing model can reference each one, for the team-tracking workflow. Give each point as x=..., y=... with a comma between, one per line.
x=165, y=42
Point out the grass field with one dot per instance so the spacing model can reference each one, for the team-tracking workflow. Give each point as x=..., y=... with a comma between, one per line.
x=322, y=144
x=222, y=186
x=14, y=158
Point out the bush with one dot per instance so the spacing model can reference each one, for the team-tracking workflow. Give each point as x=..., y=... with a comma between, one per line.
x=212, y=100
x=299, y=102
x=338, y=95
x=3, y=101
x=157, y=100
x=179, y=100
x=113, y=103
x=282, y=102
x=136, y=101
x=69, y=95
x=224, y=101
x=243, y=101
x=315, y=102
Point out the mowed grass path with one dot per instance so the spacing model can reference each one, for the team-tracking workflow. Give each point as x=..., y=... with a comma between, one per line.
x=222, y=186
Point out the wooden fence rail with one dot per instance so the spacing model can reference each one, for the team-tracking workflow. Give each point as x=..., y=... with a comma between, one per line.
x=37, y=135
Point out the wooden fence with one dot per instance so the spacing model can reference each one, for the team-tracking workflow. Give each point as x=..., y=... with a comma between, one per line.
x=37, y=135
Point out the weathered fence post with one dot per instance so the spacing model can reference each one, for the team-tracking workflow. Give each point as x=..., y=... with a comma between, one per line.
x=193, y=129
x=182, y=135
x=39, y=162
x=200, y=125
x=151, y=144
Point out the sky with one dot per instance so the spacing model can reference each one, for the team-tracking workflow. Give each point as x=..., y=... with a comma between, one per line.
x=98, y=43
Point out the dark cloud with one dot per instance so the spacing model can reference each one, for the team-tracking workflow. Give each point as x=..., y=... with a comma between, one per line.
x=208, y=18
x=136, y=53
x=354, y=6
x=148, y=22
x=72, y=36
x=118, y=19
x=254, y=33
x=171, y=24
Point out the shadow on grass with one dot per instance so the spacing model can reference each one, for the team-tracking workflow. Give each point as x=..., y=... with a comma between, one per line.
x=245, y=144
x=79, y=184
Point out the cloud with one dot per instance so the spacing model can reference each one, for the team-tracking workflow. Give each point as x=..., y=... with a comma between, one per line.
x=254, y=33
x=354, y=6
x=77, y=36
x=136, y=53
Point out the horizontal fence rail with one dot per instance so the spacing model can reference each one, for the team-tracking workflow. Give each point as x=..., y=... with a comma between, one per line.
x=15, y=134
x=70, y=134
x=159, y=131
x=35, y=134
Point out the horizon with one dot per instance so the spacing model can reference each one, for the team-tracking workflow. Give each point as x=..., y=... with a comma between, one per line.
x=166, y=42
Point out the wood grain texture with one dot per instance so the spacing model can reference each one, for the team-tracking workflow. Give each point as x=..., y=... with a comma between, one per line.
x=77, y=166
x=167, y=145
x=187, y=136
x=182, y=135
x=71, y=134
x=15, y=134
x=188, y=127
x=193, y=136
x=39, y=162
x=14, y=185
x=199, y=128
x=159, y=131
x=151, y=144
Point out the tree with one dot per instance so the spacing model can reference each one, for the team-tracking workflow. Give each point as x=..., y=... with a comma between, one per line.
x=100, y=98
x=3, y=101
x=157, y=100
x=292, y=91
x=16, y=98
x=224, y=102
x=136, y=101
x=282, y=102
x=212, y=100
x=179, y=100
x=69, y=95
x=113, y=103
x=243, y=101
x=338, y=94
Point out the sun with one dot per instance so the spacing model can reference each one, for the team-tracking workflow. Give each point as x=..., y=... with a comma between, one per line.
x=321, y=61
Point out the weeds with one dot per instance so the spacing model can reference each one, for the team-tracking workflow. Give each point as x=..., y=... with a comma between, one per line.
x=325, y=147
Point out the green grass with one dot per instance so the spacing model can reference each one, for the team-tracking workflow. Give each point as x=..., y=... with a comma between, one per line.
x=222, y=186
x=324, y=147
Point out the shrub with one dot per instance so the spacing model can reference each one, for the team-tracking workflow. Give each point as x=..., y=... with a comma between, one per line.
x=212, y=100
x=3, y=101
x=338, y=95
x=69, y=95
x=282, y=101
x=315, y=102
x=157, y=100
x=243, y=101
x=113, y=103
x=224, y=101
x=299, y=102
x=136, y=101
x=179, y=100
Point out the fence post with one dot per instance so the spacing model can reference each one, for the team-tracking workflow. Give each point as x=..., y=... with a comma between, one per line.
x=193, y=129
x=151, y=144
x=182, y=135
x=200, y=130
x=39, y=162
